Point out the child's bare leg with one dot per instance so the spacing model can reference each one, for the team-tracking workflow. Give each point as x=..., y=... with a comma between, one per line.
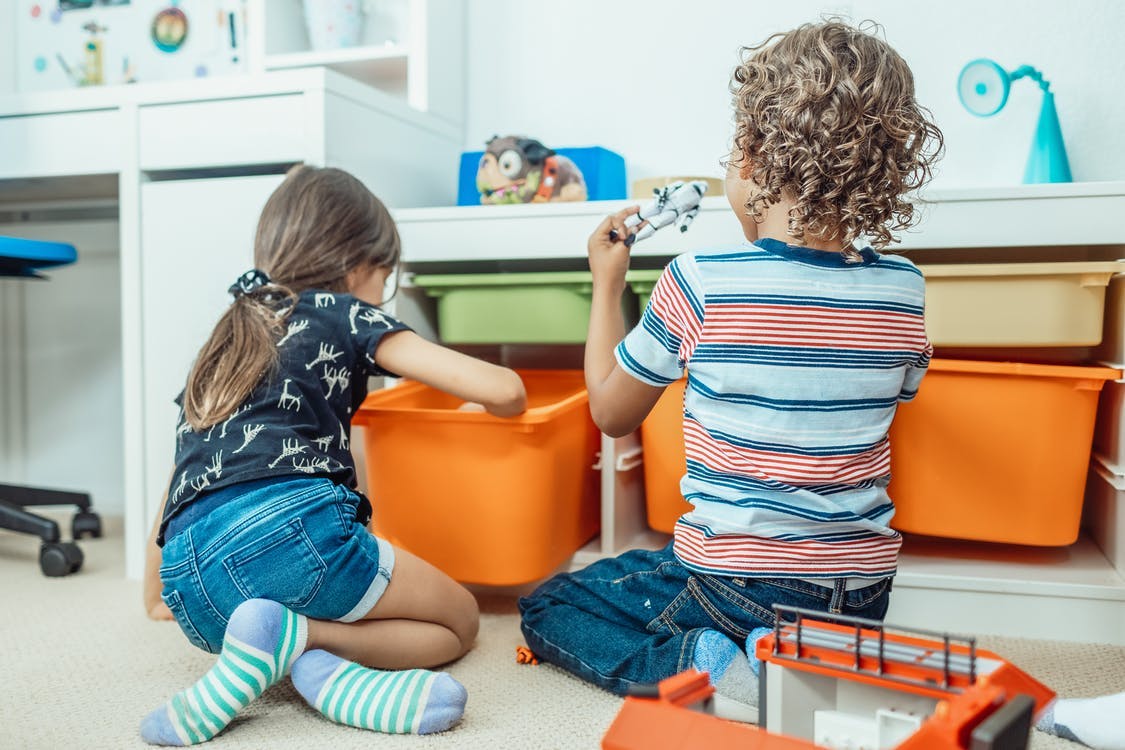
x=423, y=619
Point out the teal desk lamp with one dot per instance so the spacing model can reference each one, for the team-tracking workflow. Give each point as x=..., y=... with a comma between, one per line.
x=983, y=88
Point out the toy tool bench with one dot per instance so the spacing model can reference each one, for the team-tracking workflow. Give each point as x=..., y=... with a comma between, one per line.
x=848, y=683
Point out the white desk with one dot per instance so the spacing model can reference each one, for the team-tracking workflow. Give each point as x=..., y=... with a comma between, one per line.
x=200, y=157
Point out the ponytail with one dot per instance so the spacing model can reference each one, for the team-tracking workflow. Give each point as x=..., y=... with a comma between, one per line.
x=318, y=226
x=240, y=352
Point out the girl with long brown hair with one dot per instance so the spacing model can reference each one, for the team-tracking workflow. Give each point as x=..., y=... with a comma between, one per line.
x=261, y=552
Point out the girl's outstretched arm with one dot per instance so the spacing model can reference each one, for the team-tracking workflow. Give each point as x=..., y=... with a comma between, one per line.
x=497, y=388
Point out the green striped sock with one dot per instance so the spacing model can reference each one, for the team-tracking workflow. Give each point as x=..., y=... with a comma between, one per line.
x=262, y=641
x=414, y=701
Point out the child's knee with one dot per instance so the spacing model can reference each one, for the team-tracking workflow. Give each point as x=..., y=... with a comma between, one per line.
x=466, y=620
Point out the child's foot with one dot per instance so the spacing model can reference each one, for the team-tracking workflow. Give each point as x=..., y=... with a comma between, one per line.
x=262, y=641
x=736, y=685
x=411, y=701
x=752, y=644
x=1095, y=722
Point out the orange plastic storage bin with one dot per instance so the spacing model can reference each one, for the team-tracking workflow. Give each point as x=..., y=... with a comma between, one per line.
x=662, y=437
x=995, y=451
x=490, y=501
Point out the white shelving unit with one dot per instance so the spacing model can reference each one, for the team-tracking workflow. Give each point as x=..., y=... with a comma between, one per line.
x=393, y=55
x=1070, y=593
x=385, y=66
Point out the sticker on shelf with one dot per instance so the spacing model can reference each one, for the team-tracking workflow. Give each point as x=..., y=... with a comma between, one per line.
x=169, y=29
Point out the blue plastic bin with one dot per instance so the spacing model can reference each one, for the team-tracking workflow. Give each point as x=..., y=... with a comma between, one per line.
x=603, y=170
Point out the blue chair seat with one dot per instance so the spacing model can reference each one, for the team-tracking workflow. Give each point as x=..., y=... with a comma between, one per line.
x=20, y=257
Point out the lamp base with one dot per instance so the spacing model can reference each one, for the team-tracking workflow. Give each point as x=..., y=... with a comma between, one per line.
x=1047, y=160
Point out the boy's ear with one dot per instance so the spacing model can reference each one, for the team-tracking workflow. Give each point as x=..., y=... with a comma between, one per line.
x=535, y=151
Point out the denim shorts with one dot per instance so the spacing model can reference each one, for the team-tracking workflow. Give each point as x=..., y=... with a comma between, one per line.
x=296, y=542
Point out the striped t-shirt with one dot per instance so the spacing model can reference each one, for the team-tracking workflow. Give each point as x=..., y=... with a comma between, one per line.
x=796, y=362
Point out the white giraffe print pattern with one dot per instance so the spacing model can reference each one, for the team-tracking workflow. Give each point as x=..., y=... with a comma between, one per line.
x=317, y=365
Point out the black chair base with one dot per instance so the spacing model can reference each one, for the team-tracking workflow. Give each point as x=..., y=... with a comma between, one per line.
x=56, y=558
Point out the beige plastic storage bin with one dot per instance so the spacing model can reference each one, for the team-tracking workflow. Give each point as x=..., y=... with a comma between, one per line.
x=1104, y=512
x=1113, y=334
x=1017, y=304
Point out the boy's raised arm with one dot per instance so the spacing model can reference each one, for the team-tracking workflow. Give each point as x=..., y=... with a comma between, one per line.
x=618, y=401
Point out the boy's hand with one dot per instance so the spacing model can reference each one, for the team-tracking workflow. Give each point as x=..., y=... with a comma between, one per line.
x=608, y=253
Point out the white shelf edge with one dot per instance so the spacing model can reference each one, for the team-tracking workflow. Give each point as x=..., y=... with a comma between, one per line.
x=1086, y=574
x=346, y=55
x=719, y=202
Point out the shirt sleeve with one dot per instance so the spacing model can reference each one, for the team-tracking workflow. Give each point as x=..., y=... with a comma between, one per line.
x=368, y=325
x=914, y=372
x=658, y=349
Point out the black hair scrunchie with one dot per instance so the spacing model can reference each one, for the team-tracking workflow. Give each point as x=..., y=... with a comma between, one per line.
x=248, y=283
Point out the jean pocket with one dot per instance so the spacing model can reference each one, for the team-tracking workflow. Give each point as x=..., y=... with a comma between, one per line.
x=869, y=597
x=176, y=604
x=282, y=566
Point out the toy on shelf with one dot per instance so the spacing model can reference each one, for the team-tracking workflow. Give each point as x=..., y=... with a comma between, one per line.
x=983, y=87
x=92, y=70
x=678, y=202
x=514, y=169
x=840, y=682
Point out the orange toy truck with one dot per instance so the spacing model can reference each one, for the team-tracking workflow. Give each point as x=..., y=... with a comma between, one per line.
x=846, y=683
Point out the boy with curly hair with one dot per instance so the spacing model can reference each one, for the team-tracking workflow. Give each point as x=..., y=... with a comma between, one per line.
x=798, y=347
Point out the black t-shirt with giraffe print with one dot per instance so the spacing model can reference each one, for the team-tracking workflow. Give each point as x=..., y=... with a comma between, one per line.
x=297, y=421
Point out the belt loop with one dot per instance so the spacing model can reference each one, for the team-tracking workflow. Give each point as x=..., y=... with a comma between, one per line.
x=839, y=595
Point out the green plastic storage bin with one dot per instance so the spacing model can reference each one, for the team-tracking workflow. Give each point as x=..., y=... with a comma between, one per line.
x=642, y=282
x=512, y=308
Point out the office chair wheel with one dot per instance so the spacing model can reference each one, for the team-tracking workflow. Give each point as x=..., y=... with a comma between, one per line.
x=86, y=522
x=59, y=558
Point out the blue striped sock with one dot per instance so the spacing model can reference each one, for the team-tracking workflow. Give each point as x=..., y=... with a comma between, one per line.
x=262, y=641
x=727, y=666
x=751, y=646
x=410, y=701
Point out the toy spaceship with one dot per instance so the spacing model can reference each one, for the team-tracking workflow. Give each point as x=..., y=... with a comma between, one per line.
x=677, y=202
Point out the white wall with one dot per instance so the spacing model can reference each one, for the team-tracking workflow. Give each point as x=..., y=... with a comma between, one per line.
x=7, y=46
x=648, y=78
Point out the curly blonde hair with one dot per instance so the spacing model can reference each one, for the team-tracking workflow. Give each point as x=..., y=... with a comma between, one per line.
x=825, y=116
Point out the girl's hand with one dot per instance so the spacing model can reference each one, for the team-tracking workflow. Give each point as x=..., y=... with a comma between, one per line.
x=160, y=611
x=609, y=255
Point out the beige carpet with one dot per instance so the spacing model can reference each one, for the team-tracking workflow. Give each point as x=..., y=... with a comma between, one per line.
x=80, y=665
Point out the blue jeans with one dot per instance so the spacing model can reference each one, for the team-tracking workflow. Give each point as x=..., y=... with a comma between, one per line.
x=294, y=541
x=635, y=618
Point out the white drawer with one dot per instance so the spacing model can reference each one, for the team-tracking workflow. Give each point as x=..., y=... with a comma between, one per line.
x=59, y=144
x=1109, y=432
x=1104, y=512
x=228, y=132
x=1113, y=332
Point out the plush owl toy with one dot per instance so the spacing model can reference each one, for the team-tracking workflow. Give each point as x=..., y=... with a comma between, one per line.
x=523, y=170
